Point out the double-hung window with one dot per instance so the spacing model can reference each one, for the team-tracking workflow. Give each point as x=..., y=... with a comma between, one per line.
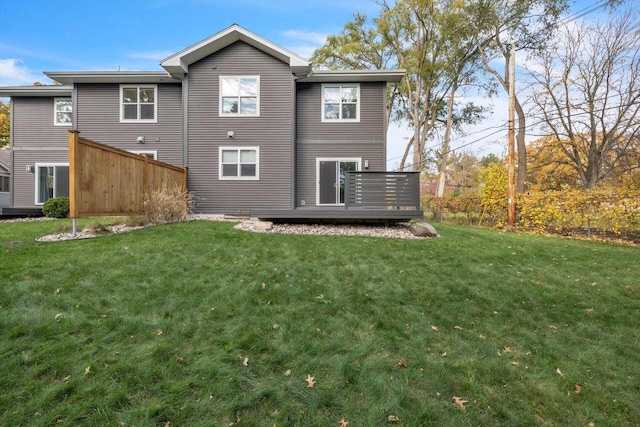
x=139, y=103
x=4, y=183
x=62, y=111
x=341, y=103
x=239, y=95
x=239, y=163
x=52, y=180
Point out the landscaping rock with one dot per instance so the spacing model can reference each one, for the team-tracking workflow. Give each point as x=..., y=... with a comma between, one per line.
x=423, y=229
x=262, y=225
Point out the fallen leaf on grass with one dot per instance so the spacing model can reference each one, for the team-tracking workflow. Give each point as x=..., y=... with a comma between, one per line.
x=459, y=402
x=559, y=372
x=66, y=379
x=263, y=286
x=578, y=389
x=58, y=316
x=434, y=328
x=287, y=372
x=552, y=327
x=402, y=363
x=245, y=362
x=444, y=354
x=310, y=381
x=87, y=370
x=393, y=419
x=276, y=326
x=506, y=349
x=344, y=423
x=457, y=327
x=160, y=332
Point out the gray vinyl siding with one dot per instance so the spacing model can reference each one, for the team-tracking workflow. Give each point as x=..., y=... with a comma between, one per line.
x=371, y=126
x=98, y=118
x=307, y=154
x=35, y=139
x=315, y=139
x=24, y=183
x=271, y=132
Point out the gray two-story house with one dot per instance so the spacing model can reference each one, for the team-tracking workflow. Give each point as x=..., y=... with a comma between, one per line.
x=261, y=132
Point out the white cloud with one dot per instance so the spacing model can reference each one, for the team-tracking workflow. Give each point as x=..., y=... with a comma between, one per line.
x=13, y=72
x=304, y=43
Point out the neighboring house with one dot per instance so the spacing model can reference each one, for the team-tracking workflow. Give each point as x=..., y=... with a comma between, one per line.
x=261, y=133
x=5, y=178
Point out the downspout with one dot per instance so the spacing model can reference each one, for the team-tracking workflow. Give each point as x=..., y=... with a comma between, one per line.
x=185, y=121
x=294, y=136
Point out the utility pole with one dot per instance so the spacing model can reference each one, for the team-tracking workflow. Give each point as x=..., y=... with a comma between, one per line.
x=511, y=202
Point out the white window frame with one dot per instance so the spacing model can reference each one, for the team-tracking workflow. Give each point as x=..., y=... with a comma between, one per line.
x=37, y=179
x=153, y=154
x=357, y=160
x=155, y=103
x=238, y=114
x=238, y=177
x=6, y=176
x=358, y=102
x=55, y=112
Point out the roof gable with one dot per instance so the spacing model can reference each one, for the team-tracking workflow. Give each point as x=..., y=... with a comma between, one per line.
x=178, y=63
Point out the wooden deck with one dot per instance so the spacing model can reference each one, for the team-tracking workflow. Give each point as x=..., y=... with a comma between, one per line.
x=337, y=215
x=6, y=213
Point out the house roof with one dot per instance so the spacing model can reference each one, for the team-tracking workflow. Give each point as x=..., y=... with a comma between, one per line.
x=178, y=63
x=43, y=90
x=71, y=77
x=347, y=76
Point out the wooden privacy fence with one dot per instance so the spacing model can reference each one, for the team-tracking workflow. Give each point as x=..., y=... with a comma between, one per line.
x=104, y=180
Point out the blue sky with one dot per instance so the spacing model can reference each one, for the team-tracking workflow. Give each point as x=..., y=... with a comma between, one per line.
x=47, y=35
x=43, y=35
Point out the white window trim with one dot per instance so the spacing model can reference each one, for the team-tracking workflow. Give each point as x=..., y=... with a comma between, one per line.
x=141, y=152
x=55, y=112
x=155, y=104
x=5, y=175
x=221, y=114
x=341, y=85
x=37, y=176
x=332, y=159
x=238, y=178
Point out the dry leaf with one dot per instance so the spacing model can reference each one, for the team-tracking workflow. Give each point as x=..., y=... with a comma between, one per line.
x=393, y=419
x=434, y=328
x=310, y=381
x=167, y=424
x=506, y=349
x=179, y=359
x=444, y=354
x=263, y=286
x=402, y=363
x=344, y=423
x=515, y=362
x=87, y=370
x=457, y=327
x=459, y=402
x=160, y=332
x=591, y=424
x=245, y=362
x=559, y=372
x=287, y=372
x=276, y=326
x=66, y=379
x=578, y=389
x=58, y=316
x=552, y=327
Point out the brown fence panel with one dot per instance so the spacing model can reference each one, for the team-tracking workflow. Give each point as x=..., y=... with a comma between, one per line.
x=107, y=181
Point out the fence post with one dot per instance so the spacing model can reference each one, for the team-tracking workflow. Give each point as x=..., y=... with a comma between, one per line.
x=75, y=174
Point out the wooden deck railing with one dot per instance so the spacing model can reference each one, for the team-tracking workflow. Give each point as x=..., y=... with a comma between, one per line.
x=382, y=190
x=104, y=180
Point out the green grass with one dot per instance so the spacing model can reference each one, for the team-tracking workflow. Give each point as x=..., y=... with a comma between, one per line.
x=153, y=326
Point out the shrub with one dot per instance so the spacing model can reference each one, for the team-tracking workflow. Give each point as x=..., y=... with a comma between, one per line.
x=167, y=204
x=56, y=207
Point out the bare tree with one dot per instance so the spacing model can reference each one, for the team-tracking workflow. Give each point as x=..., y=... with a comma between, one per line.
x=587, y=93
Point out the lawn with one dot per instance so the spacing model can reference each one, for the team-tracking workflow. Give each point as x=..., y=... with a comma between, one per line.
x=198, y=324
